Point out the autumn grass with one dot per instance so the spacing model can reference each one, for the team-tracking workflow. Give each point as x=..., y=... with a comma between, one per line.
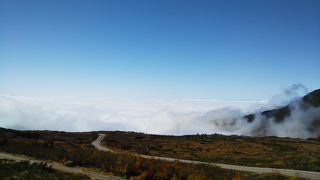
x=35, y=171
x=75, y=149
x=274, y=152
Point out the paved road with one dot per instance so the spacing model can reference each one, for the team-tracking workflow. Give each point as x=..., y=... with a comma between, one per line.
x=259, y=170
x=59, y=167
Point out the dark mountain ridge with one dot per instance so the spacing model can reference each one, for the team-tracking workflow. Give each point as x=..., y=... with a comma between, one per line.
x=303, y=113
x=310, y=100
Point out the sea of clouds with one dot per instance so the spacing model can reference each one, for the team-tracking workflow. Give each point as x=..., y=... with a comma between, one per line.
x=175, y=117
x=159, y=117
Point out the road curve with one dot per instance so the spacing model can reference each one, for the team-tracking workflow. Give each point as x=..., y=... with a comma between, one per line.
x=59, y=167
x=259, y=170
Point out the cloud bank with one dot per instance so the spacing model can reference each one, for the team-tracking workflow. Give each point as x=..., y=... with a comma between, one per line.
x=298, y=120
x=159, y=117
x=176, y=117
x=302, y=122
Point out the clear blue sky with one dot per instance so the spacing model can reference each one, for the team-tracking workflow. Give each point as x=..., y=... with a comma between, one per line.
x=158, y=49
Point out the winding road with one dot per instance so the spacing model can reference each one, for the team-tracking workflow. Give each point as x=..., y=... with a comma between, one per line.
x=76, y=170
x=98, y=175
x=259, y=170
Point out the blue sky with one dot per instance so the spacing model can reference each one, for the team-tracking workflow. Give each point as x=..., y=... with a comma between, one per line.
x=240, y=50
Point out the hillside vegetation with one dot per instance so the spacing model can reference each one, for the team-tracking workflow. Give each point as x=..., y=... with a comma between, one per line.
x=239, y=150
x=10, y=170
x=74, y=149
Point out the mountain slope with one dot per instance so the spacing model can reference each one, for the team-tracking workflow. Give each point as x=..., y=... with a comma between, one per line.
x=305, y=110
x=310, y=100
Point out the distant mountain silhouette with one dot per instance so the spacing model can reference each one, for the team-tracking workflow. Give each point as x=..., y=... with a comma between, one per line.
x=310, y=100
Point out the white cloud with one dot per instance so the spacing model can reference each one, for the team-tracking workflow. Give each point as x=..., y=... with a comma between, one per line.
x=161, y=117
x=174, y=117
